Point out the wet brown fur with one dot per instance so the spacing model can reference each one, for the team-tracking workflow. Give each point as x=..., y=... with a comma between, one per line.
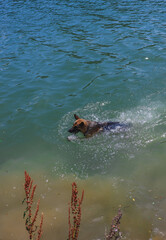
x=88, y=128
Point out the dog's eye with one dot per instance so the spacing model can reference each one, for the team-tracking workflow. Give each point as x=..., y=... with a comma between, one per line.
x=81, y=124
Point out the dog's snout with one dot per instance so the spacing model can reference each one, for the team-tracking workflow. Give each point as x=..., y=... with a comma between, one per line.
x=70, y=130
x=73, y=130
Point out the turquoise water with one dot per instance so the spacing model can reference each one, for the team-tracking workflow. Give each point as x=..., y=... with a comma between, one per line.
x=103, y=60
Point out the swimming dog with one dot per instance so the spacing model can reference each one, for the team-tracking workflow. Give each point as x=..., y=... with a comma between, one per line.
x=89, y=128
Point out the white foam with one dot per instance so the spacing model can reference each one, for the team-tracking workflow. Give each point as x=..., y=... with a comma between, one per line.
x=145, y=119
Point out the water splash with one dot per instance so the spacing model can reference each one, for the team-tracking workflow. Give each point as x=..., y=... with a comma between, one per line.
x=102, y=150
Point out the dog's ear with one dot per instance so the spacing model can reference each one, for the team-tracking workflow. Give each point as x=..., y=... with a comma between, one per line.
x=76, y=117
x=81, y=124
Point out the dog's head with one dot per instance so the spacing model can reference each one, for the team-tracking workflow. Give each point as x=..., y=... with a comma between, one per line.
x=80, y=125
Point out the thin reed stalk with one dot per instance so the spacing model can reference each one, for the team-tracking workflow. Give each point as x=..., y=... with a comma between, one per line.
x=74, y=213
x=114, y=233
x=30, y=221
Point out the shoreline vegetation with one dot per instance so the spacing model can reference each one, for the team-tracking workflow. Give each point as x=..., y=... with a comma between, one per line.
x=34, y=231
x=74, y=214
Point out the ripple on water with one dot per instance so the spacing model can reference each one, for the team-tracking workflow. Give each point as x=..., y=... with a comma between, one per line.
x=103, y=149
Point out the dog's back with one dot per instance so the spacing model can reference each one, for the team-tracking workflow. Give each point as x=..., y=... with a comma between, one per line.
x=108, y=126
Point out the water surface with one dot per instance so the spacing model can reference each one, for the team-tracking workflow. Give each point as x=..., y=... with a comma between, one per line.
x=103, y=60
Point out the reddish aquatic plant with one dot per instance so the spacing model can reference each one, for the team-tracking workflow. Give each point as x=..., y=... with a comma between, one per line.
x=75, y=210
x=31, y=220
x=114, y=233
x=40, y=228
x=35, y=232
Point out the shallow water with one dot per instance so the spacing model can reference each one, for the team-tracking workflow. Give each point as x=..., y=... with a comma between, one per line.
x=103, y=60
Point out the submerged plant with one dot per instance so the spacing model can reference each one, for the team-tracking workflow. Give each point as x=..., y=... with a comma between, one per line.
x=34, y=231
x=75, y=211
x=114, y=233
